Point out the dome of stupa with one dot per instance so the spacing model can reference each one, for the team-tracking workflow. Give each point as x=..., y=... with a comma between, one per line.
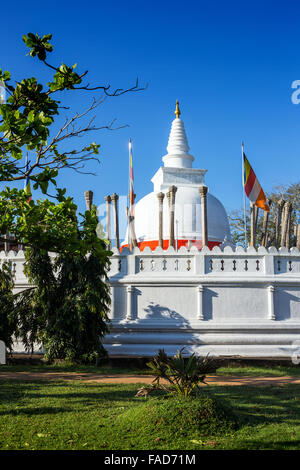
x=178, y=171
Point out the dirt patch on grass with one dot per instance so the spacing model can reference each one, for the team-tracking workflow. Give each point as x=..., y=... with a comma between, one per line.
x=126, y=379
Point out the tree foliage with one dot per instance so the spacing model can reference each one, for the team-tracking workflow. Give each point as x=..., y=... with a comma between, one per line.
x=66, y=309
x=7, y=305
x=27, y=124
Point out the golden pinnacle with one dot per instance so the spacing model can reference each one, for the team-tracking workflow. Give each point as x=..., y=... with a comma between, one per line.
x=177, y=110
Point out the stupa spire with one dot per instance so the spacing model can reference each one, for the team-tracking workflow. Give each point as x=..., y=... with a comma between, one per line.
x=177, y=110
x=178, y=148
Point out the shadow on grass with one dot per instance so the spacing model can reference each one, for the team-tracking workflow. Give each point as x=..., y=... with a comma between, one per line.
x=256, y=405
x=269, y=445
x=12, y=392
x=41, y=410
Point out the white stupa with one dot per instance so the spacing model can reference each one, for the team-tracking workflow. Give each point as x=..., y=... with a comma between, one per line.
x=178, y=171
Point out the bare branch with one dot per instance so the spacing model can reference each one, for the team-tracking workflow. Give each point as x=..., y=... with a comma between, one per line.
x=105, y=89
x=117, y=92
x=44, y=156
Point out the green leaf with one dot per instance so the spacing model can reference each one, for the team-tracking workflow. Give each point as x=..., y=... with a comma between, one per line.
x=30, y=116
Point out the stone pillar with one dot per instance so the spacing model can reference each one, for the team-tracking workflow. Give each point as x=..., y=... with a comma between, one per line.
x=285, y=223
x=288, y=227
x=129, y=312
x=298, y=236
x=160, y=197
x=108, y=220
x=171, y=200
x=271, y=290
x=252, y=224
x=114, y=199
x=264, y=237
x=203, y=194
x=88, y=199
x=169, y=197
x=256, y=209
x=278, y=221
x=200, y=315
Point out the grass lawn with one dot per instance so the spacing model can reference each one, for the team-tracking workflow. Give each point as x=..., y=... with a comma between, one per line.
x=69, y=415
x=63, y=367
x=268, y=369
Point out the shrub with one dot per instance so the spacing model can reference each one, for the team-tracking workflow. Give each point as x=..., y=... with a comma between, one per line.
x=183, y=374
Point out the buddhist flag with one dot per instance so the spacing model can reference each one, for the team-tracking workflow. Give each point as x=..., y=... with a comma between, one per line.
x=252, y=187
x=27, y=187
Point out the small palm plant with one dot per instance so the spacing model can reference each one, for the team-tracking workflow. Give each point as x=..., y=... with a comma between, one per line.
x=183, y=374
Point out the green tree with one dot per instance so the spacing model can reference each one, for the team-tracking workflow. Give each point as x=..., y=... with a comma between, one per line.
x=67, y=308
x=67, y=311
x=8, y=301
x=27, y=123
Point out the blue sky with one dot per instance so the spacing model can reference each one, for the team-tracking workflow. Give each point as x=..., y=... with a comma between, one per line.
x=230, y=64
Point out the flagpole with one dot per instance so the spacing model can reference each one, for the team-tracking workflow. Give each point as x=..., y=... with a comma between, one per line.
x=244, y=195
x=128, y=198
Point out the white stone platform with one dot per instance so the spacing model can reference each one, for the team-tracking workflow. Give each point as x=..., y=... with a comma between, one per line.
x=223, y=302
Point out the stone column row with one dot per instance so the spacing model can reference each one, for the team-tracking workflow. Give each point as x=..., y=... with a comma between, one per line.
x=283, y=221
x=114, y=198
x=171, y=202
x=171, y=194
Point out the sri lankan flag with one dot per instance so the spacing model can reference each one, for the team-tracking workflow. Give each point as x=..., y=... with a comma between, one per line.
x=252, y=187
